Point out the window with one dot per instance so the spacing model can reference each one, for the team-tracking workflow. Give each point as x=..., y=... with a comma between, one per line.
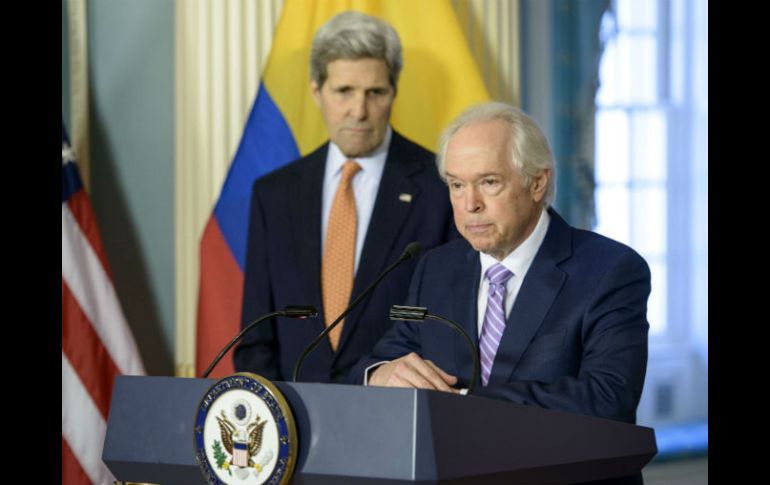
x=652, y=178
x=631, y=142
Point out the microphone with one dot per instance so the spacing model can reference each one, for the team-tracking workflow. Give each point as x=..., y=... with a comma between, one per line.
x=292, y=311
x=412, y=249
x=419, y=314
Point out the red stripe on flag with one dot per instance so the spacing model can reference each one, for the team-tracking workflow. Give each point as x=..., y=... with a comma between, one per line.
x=81, y=209
x=71, y=471
x=85, y=351
x=219, y=301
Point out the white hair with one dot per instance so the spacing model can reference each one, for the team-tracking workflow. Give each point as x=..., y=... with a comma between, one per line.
x=530, y=153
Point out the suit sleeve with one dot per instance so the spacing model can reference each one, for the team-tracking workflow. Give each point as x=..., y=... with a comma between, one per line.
x=258, y=350
x=611, y=371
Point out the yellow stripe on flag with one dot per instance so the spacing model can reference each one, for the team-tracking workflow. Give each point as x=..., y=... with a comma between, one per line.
x=439, y=80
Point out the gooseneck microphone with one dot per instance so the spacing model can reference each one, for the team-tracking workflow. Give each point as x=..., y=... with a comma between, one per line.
x=412, y=249
x=292, y=311
x=419, y=314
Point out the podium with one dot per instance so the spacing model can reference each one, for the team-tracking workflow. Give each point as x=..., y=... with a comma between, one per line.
x=372, y=435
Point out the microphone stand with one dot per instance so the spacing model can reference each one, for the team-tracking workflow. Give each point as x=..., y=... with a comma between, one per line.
x=289, y=311
x=419, y=314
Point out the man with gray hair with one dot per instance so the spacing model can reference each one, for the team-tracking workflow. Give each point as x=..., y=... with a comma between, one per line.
x=323, y=227
x=558, y=314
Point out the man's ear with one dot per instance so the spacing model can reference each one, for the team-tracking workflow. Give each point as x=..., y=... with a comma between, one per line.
x=315, y=90
x=539, y=184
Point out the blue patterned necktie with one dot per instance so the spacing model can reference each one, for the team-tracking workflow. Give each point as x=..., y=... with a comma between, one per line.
x=494, y=319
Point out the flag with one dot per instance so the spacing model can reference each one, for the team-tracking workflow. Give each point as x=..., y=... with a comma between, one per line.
x=439, y=80
x=97, y=344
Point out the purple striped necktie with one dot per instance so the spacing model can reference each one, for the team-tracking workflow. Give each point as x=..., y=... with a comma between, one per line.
x=494, y=319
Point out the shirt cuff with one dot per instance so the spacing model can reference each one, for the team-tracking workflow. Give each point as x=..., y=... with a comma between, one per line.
x=371, y=368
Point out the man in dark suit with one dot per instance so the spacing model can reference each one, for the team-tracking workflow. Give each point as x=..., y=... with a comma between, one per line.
x=323, y=227
x=558, y=314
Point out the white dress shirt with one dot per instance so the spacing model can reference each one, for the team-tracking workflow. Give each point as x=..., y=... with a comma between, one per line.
x=365, y=185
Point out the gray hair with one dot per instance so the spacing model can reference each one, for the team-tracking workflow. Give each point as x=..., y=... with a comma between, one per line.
x=530, y=153
x=354, y=35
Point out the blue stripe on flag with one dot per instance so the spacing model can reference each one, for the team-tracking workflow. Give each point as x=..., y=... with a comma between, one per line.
x=70, y=181
x=70, y=177
x=267, y=144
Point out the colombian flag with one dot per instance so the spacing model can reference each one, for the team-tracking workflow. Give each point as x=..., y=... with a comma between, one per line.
x=439, y=80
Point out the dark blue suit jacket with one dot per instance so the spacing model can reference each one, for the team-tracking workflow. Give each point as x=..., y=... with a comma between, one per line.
x=283, y=261
x=576, y=338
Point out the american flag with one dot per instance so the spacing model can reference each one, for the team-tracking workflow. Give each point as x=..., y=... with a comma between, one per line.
x=97, y=344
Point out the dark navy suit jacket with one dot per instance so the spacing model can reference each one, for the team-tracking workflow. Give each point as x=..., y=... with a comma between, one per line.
x=575, y=340
x=283, y=261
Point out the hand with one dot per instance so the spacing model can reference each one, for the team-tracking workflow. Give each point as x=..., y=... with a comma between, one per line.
x=413, y=372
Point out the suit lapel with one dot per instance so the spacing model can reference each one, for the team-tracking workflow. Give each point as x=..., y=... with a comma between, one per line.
x=465, y=290
x=540, y=288
x=305, y=203
x=388, y=216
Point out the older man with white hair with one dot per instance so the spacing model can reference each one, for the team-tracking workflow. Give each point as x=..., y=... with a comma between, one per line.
x=558, y=313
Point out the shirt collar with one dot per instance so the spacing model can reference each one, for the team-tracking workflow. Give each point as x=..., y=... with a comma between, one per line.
x=520, y=259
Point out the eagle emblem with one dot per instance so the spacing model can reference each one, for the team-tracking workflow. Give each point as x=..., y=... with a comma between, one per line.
x=242, y=441
x=245, y=433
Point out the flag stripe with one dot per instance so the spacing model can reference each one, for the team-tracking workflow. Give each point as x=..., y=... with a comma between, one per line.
x=71, y=471
x=85, y=352
x=91, y=286
x=81, y=211
x=221, y=289
x=440, y=77
x=70, y=180
x=267, y=144
x=82, y=425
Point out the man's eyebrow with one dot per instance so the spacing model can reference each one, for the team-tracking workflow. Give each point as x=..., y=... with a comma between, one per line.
x=477, y=176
